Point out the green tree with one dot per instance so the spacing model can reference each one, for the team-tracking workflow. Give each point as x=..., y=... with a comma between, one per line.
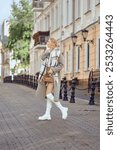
x=21, y=24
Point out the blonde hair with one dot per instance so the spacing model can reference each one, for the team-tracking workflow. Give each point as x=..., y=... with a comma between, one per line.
x=53, y=40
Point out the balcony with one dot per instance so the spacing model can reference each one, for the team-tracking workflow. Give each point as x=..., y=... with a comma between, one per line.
x=45, y=0
x=37, y=5
x=41, y=38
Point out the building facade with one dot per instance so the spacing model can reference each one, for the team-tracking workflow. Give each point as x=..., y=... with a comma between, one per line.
x=0, y=60
x=65, y=20
x=8, y=65
x=5, y=53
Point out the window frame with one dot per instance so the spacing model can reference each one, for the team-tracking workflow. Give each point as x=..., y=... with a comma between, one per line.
x=66, y=62
x=77, y=59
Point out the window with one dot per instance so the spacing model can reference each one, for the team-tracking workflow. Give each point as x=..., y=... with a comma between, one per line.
x=67, y=13
x=52, y=19
x=41, y=24
x=97, y=2
x=87, y=5
x=66, y=63
x=57, y=17
x=98, y=53
x=71, y=58
x=77, y=8
x=36, y=60
x=87, y=56
x=37, y=26
x=42, y=40
x=77, y=59
x=47, y=22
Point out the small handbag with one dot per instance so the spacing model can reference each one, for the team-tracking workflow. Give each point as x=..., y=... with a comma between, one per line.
x=48, y=78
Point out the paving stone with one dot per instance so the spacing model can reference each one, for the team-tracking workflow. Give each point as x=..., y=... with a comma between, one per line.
x=20, y=129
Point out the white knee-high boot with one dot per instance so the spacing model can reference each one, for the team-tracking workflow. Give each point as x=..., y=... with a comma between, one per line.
x=47, y=115
x=64, y=110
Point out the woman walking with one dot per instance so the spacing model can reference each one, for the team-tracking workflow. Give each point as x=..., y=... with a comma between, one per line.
x=49, y=79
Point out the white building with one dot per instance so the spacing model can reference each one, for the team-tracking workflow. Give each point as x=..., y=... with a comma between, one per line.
x=64, y=18
x=5, y=54
x=0, y=59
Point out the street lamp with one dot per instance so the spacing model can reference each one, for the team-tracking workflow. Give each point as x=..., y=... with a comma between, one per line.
x=84, y=34
x=72, y=99
x=74, y=39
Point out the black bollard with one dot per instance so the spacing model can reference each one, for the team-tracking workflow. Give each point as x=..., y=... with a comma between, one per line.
x=21, y=79
x=98, y=84
x=91, y=101
x=11, y=79
x=34, y=82
x=36, y=85
x=61, y=87
x=29, y=81
x=65, y=98
x=73, y=87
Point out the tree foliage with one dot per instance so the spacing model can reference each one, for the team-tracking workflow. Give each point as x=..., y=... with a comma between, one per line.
x=20, y=30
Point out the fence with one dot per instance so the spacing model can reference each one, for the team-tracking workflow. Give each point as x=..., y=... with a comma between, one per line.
x=32, y=81
x=27, y=80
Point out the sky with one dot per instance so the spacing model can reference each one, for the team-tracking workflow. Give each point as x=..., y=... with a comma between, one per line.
x=5, y=7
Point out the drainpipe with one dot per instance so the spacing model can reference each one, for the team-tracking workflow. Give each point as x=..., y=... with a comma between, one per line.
x=61, y=22
x=73, y=16
x=73, y=32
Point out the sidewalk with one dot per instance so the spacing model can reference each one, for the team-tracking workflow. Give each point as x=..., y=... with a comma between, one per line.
x=20, y=129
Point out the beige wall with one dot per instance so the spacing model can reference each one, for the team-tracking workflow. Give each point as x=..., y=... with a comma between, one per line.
x=82, y=73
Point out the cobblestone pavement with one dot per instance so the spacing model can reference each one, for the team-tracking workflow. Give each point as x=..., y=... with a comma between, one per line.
x=20, y=129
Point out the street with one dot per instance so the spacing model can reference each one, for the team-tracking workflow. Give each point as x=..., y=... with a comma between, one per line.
x=20, y=129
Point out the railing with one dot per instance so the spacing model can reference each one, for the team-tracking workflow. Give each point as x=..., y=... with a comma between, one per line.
x=32, y=81
x=93, y=82
x=94, y=76
x=8, y=79
x=27, y=80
